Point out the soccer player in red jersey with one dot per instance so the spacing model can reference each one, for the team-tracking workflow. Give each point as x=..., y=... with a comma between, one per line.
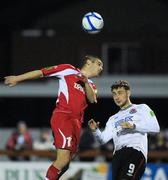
x=75, y=91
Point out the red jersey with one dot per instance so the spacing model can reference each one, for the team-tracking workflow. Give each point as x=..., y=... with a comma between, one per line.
x=71, y=93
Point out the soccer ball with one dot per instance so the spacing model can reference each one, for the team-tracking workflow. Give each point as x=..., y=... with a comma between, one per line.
x=92, y=22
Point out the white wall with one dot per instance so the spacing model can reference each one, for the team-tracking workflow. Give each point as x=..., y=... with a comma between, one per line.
x=142, y=86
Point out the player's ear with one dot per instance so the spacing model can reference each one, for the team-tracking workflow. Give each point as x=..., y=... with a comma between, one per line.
x=88, y=61
x=129, y=93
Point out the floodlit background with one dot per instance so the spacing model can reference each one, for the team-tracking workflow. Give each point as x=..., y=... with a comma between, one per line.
x=132, y=45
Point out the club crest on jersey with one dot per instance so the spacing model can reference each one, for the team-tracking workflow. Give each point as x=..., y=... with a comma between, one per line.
x=79, y=87
x=132, y=111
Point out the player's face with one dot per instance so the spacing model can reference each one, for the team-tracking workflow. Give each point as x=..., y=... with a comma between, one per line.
x=96, y=67
x=121, y=97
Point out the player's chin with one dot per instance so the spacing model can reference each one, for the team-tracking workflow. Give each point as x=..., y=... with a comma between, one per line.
x=98, y=74
x=95, y=75
x=120, y=104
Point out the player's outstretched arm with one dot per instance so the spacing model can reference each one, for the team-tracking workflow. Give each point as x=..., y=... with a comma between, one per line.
x=102, y=136
x=13, y=80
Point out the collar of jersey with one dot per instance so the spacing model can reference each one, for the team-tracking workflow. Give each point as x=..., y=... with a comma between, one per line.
x=126, y=107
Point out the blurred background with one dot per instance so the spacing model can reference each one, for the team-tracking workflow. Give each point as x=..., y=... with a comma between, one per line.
x=132, y=45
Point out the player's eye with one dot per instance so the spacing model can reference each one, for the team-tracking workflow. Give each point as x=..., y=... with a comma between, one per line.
x=99, y=64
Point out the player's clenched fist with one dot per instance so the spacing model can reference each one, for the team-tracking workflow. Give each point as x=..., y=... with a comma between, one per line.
x=93, y=125
x=10, y=80
x=82, y=77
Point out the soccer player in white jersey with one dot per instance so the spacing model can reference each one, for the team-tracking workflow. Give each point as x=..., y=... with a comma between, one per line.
x=75, y=91
x=128, y=128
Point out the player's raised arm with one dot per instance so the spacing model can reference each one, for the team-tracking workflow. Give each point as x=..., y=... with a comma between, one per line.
x=90, y=92
x=13, y=80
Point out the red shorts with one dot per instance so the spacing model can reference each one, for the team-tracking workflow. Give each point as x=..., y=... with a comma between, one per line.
x=66, y=130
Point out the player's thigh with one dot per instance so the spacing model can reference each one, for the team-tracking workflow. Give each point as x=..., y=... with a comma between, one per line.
x=66, y=132
x=116, y=165
x=134, y=167
x=62, y=131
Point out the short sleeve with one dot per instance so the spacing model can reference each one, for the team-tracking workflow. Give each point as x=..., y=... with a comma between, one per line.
x=55, y=70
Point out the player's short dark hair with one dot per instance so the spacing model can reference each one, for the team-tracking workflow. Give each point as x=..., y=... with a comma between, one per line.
x=119, y=84
x=91, y=58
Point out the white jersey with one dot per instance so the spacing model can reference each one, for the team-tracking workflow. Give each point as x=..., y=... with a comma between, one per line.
x=145, y=122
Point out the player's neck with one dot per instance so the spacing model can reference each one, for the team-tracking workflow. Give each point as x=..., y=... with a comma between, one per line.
x=84, y=72
x=126, y=105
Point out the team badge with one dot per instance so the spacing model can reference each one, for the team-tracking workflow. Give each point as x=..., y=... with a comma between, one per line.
x=132, y=111
x=152, y=113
